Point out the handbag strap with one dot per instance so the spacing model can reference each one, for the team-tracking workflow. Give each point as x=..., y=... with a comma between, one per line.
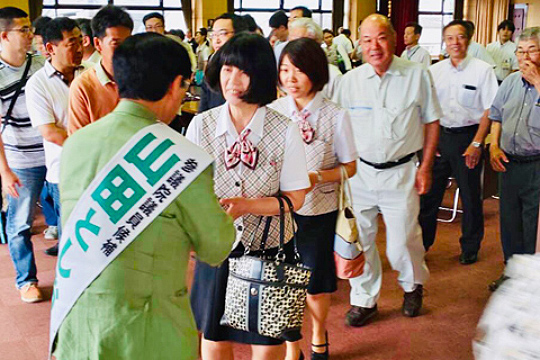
x=297, y=256
x=280, y=256
x=21, y=84
x=264, y=237
x=345, y=199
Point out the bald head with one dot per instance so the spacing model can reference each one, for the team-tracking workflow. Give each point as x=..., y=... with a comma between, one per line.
x=377, y=20
x=378, y=40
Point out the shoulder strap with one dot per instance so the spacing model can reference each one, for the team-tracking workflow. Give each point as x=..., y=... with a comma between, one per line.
x=22, y=82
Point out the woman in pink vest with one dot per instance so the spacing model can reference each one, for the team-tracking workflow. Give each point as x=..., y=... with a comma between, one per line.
x=258, y=154
x=327, y=134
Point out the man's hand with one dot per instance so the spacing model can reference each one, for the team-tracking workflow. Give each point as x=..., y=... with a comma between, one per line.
x=10, y=181
x=235, y=207
x=530, y=72
x=423, y=181
x=497, y=157
x=472, y=156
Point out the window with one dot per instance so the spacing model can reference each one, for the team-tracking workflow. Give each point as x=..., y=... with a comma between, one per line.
x=263, y=10
x=171, y=10
x=433, y=15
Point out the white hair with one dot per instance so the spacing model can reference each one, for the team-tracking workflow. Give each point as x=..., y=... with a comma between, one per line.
x=313, y=30
x=531, y=33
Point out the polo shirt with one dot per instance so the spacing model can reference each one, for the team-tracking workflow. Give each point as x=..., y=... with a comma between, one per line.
x=505, y=58
x=478, y=51
x=23, y=145
x=417, y=54
x=92, y=96
x=465, y=91
x=47, y=98
x=92, y=60
x=388, y=113
x=517, y=108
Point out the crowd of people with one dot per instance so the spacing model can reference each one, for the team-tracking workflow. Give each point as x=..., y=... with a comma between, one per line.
x=286, y=114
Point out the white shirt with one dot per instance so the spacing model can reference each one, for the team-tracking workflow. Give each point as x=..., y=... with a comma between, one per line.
x=47, y=98
x=417, y=54
x=278, y=49
x=345, y=42
x=504, y=57
x=479, y=51
x=388, y=113
x=465, y=91
x=92, y=60
x=294, y=169
x=334, y=76
x=338, y=49
x=344, y=146
x=203, y=54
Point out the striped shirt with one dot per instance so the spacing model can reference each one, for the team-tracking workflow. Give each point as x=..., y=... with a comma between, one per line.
x=23, y=144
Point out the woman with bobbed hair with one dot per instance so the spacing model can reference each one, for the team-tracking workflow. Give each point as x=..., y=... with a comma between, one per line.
x=258, y=154
x=329, y=145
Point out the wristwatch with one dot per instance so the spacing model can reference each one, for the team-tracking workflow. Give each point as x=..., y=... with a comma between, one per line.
x=476, y=144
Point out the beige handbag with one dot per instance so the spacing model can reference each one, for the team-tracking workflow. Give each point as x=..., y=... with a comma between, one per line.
x=348, y=253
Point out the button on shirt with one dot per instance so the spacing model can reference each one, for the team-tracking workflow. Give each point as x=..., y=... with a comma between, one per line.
x=388, y=113
x=417, y=54
x=465, y=91
x=47, y=98
x=504, y=57
x=517, y=108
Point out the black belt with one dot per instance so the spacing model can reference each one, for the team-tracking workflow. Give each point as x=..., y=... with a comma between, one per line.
x=523, y=159
x=390, y=164
x=460, y=130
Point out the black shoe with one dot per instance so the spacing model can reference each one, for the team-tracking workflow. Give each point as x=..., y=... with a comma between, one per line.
x=320, y=356
x=358, y=316
x=467, y=259
x=495, y=284
x=412, y=302
x=52, y=251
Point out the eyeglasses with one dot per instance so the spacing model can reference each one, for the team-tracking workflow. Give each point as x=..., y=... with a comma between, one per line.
x=521, y=53
x=24, y=30
x=154, y=27
x=220, y=33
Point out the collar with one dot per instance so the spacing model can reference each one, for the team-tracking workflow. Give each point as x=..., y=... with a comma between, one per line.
x=314, y=105
x=50, y=71
x=393, y=69
x=225, y=124
x=413, y=48
x=462, y=65
x=135, y=109
x=102, y=76
x=95, y=57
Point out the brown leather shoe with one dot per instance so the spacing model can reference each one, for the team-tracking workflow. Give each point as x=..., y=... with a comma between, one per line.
x=30, y=293
x=412, y=302
x=358, y=316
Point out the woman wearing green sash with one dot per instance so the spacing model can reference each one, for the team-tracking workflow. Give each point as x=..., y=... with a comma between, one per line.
x=138, y=307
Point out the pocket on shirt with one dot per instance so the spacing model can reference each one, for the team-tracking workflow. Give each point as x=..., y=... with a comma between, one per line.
x=467, y=96
x=361, y=115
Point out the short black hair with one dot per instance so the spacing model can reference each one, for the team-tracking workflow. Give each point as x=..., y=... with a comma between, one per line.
x=416, y=26
x=461, y=23
x=40, y=24
x=55, y=27
x=506, y=24
x=308, y=56
x=86, y=28
x=252, y=54
x=178, y=32
x=110, y=16
x=250, y=23
x=153, y=15
x=328, y=31
x=8, y=14
x=305, y=11
x=238, y=22
x=346, y=32
x=470, y=27
x=135, y=63
x=203, y=32
x=279, y=18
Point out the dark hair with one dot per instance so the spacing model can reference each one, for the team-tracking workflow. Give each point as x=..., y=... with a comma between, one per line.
x=250, y=23
x=305, y=11
x=136, y=60
x=178, y=33
x=110, y=16
x=86, y=28
x=346, y=32
x=153, y=15
x=506, y=24
x=328, y=31
x=40, y=25
x=417, y=27
x=238, y=22
x=7, y=14
x=252, y=54
x=461, y=23
x=53, y=32
x=279, y=18
x=203, y=32
x=308, y=56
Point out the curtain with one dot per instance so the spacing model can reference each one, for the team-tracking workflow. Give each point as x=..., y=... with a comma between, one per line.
x=186, y=11
x=35, y=7
x=402, y=12
x=486, y=15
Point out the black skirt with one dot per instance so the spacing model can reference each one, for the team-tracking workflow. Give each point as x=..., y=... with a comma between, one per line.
x=208, y=301
x=315, y=238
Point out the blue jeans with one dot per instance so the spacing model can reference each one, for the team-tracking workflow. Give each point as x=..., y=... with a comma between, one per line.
x=19, y=221
x=47, y=205
x=54, y=191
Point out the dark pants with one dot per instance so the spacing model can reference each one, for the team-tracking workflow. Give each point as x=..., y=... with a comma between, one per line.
x=519, y=199
x=452, y=163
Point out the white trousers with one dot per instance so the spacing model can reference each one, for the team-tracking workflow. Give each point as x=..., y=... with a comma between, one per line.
x=391, y=192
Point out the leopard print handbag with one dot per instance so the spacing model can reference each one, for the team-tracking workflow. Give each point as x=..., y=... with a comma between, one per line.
x=267, y=296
